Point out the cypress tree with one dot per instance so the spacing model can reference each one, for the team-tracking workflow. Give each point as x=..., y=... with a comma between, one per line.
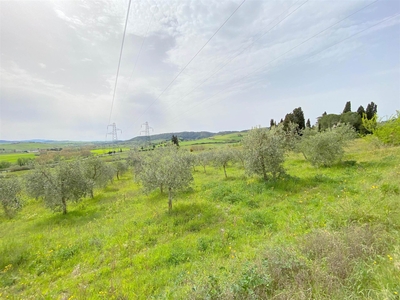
x=347, y=107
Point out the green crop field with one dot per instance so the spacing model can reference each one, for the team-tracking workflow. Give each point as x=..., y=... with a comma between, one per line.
x=317, y=233
x=215, y=141
x=13, y=157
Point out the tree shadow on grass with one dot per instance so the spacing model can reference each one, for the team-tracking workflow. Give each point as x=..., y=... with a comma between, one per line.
x=295, y=184
x=72, y=218
x=193, y=216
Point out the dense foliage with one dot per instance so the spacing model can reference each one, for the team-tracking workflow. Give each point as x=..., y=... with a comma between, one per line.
x=389, y=132
x=324, y=148
x=264, y=151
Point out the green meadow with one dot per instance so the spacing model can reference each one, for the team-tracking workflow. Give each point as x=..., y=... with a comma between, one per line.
x=13, y=157
x=316, y=233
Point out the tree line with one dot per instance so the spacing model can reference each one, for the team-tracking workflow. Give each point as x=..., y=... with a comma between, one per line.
x=169, y=169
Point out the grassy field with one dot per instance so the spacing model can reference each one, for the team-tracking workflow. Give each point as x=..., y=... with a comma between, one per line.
x=215, y=141
x=328, y=233
x=13, y=157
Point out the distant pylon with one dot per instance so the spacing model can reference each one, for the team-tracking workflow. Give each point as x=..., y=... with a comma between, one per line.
x=113, y=132
x=146, y=131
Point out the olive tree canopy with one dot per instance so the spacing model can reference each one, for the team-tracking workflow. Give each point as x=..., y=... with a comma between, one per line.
x=168, y=168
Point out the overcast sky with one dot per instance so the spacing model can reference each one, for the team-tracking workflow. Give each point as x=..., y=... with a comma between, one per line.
x=59, y=63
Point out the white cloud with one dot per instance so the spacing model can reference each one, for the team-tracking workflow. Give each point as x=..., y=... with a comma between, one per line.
x=280, y=61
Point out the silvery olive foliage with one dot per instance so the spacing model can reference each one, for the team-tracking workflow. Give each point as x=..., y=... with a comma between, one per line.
x=264, y=151
x=325, y=148
x=166, y=168
x=135, y=161
x=98, y=173
x=120, y=167
x=204, y=158
x=222, y=157
x=10, y=190
x=66, y=182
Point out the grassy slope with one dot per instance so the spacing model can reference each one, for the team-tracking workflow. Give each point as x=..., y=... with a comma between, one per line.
x=238, y=237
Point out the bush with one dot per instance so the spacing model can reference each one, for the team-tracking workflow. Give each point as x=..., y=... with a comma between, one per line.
x=4, y=164
x=389, y=131
x=325, y=148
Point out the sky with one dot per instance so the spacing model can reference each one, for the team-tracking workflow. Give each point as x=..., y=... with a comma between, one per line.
x=200, y=65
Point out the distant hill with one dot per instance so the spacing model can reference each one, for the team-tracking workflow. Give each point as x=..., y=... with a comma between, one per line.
x=185, y=135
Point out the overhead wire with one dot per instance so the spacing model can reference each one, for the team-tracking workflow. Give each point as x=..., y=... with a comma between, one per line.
x=197, y=53
x=138, y=55
x=244, y=49
x=119, y=61
x=252, y=73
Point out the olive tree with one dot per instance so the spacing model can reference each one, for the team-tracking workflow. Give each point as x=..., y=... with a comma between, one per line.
x=10, y=190
x=66, y=182
x=135, y=161
x=168, y=168
x=239, y=155
x=97, y=172
x=264, y=151
x=222, y=157
x=326, y=147
x=120, y=168
x=204, y=158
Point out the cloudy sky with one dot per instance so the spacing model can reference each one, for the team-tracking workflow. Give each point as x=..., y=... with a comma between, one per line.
x=210, y=65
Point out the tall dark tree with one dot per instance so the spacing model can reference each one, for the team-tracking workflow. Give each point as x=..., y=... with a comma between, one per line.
x=361, y=111
x=371, y=110
x=175, y=140
x=272, y=123
x=347, y=107
x=308, y=124
x=299, y=118
x=289, y=118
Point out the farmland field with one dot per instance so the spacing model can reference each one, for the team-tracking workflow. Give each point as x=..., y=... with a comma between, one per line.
x=321, y=233
x=13, y=157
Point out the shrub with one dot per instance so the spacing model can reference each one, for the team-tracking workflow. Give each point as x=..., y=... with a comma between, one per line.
x=4, y=164
x=389, y=131
x=326, y=147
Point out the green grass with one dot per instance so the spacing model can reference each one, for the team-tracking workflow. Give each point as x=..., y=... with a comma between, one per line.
x=214, y=141
x=328, y=233
x=13, y=157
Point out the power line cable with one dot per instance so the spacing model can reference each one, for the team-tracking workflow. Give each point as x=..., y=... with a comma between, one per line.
x=308, y=38
x=314, y=54
x=233, y=57
x=119, y=61
x=197, y=53
x=137, y=57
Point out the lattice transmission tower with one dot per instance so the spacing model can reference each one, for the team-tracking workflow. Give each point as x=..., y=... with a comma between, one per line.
x=146, y=132
x=113, y=132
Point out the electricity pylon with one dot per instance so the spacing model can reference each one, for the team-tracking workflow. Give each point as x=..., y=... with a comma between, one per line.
x=146, y=131
x=113, y=132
